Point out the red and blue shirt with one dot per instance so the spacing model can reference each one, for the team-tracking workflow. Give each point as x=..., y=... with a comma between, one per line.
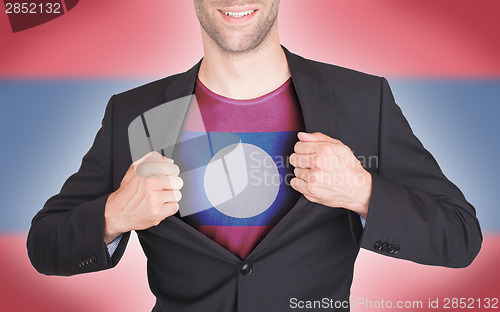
x=258, y=136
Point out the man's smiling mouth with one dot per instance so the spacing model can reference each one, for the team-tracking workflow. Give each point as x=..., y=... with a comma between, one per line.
x=239, y=14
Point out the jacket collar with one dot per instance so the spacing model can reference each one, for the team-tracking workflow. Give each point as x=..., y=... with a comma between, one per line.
x=315, y=96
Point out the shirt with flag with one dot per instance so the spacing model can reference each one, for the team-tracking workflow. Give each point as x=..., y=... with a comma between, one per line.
x=258, y=135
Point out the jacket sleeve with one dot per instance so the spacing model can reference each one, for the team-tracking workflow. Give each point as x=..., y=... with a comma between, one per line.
x=67, y=236
x=415, y=212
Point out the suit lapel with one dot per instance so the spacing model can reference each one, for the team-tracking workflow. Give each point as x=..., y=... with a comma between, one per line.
x=318, y=109
x=183, y=84
x=317, y=105
x=316, y=98
x=179, y=92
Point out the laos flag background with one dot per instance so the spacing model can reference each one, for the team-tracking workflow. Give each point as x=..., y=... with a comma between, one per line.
x=60, y=64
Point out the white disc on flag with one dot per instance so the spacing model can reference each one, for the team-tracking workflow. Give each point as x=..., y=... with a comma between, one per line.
x=242, y=180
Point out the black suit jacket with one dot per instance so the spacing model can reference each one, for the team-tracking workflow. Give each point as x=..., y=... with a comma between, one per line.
x=415, y=212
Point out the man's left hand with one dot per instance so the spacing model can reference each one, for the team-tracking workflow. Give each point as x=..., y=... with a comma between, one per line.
x=327, y=172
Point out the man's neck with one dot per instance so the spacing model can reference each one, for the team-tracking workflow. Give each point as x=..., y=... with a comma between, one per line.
x=244, y=76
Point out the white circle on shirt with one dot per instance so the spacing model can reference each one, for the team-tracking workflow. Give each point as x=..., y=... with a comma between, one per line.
x=241, y=180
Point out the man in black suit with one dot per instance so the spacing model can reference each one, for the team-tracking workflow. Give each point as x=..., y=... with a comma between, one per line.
x=412, y=210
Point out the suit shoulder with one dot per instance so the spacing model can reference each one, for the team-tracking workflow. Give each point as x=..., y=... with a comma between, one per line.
x=339, y=74
x=128, y=105
x=153, y=90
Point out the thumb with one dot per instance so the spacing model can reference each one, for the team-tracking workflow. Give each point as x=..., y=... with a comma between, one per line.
x=152, y=156
x=316, y=137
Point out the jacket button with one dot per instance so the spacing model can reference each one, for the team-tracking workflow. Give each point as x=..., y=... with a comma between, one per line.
x=390, y=249
x=93, y=260
x=246, y=269
x=384, y=246
x=378, y=245
x=395, y=249
x=83, y=263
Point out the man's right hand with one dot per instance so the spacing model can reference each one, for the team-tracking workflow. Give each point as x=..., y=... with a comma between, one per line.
x=148, y=193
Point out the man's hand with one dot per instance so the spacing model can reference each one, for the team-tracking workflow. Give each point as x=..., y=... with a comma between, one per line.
x=148, y=193
x=327, y=172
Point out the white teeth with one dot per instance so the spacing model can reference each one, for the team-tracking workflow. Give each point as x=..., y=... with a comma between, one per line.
x=239, y=14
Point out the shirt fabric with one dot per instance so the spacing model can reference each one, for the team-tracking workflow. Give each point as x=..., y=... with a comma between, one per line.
x=266, y=128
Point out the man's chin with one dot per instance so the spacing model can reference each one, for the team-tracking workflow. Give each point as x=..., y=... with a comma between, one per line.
x=240, y=46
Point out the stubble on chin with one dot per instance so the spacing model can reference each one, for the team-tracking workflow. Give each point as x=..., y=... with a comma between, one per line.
x=244, y=44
